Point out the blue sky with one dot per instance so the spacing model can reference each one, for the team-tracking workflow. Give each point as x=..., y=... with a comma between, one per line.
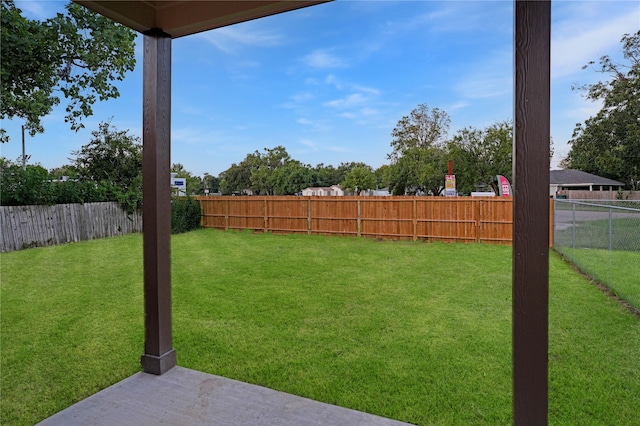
x=330, y=82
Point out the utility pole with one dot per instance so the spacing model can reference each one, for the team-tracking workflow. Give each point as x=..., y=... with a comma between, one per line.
x=24, y=157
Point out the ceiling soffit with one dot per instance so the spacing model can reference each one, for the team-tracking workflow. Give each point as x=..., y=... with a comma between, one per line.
x=183, y=17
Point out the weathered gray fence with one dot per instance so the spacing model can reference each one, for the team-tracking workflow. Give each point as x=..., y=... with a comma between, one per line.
x=33, y=226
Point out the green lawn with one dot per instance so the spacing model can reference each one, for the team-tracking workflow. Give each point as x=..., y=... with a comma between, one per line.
x=618, y=270
x=595, y=234
x=414, y=331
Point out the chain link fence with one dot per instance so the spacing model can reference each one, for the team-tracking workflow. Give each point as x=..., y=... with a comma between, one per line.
x=602, y=238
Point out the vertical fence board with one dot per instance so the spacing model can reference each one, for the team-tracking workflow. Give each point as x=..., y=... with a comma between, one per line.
x=31, y=226
x=449, y=219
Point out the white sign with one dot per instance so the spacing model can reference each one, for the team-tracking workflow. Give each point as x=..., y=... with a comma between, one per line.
x=179, y=183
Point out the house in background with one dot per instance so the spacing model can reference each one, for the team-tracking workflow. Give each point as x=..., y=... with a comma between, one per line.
x=579, y=184
x=382, y=192
x=333, y=190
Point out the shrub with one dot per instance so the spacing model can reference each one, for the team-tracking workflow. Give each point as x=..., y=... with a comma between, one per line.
x=24, y=187
x=185, y=214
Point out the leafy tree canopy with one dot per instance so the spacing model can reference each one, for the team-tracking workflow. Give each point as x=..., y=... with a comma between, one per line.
x=418, y=161
x=326, y=175
x=210, y=182
x=423, y=128
x=112, y=156
x=359, y=179
x=292, y=178
x=418, y=171
x=113, y=159
x=78, y=54
x=608, y=144
x=263, y=169
x=479, y=155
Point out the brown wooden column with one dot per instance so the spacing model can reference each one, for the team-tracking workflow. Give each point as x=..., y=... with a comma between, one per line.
x=531, y=212
x=159, y=355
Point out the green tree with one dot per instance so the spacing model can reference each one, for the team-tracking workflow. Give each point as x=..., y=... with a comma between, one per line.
x=112, y=156
x=292, y=178
x=423, y=128
x=236, y=179
x=608, y=144
x=78, y=54
x=212, y=183
x=358, y=179
x=33, y=186
x=264, y=167
x=326, y=176
x=418, y=162
x=382, y=174
x=418, y=171
x=113, y=159
x=479, y=155
x=58, y=173
x=20, y=186
x=344, y=168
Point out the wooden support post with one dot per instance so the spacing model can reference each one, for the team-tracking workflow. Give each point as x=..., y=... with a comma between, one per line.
x=159, y=355
x=531, y=212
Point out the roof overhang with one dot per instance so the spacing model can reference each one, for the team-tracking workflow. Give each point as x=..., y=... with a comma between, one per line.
x=183, y=17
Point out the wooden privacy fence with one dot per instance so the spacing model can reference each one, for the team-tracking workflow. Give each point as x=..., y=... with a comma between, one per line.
x=31, y=226
x=463, y=219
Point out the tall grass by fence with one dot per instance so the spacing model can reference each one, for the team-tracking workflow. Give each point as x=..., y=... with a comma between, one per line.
x=602, y=238
x=461, y=219
x=32, y=226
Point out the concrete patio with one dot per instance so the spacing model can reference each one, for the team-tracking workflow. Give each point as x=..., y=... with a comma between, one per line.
x=187, y=397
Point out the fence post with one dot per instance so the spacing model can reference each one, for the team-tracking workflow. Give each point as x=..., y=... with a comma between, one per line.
x=226, y=215
x=359, y=220
x=573, y=226
x=610, y=230
x=309, y=217
x=415, y=219
x=552, y=222
x=477, y=210
x=266, y=219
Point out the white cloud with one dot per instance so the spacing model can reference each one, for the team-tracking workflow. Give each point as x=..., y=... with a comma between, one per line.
x=322, y=59
x=333, y=81
x=333, y=148
x=231, y=39
x=576, y=41
x=349, y=101
x=457, y=105
x=309, y=144
x=194, y=136
x=298, y=101
x=319, y=146
x=313, y=125
x=482, y=86
x=369, y=90
x=452, y=17
x=302, y=97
